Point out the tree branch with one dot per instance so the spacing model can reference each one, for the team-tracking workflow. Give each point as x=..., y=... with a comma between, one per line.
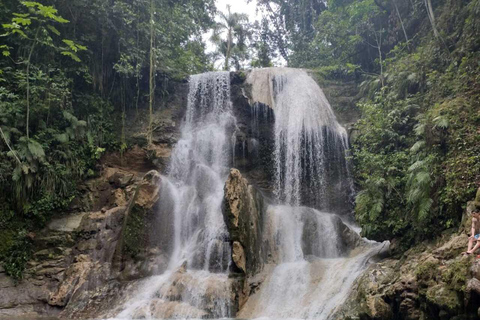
x=9, y=147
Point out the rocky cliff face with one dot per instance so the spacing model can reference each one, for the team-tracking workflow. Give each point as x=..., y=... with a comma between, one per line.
x=430, y=281
x=84, y=259
x=81, y=259
x=243, y=209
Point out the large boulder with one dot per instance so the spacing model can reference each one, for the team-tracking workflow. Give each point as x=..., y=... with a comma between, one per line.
x=243, y=209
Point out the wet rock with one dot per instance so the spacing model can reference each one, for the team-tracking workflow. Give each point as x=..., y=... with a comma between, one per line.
x=238, y=255
x=174, y=309
x=67, y=224
x=120, y=198
x=243, y=213
x=121, y=179
x=379, y=309
x=148, y=191
x=473, y=285
x=475, y=269
x=75, y=277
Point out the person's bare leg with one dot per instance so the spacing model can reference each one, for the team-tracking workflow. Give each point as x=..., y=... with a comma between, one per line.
x=477, y=245
x=470, y=244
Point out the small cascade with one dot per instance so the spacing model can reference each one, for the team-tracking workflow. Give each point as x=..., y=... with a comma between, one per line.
x=313, y=266
x=311, y=147
x=196, y=284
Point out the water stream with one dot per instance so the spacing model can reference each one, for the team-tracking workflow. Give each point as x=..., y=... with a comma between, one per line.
x=196, y=283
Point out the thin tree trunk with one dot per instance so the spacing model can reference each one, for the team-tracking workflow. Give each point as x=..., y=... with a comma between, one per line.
x=137, y=69
x=378, y=39
x=401, y=21
x=229, y=49
x=152, y=75
x=28, y=82
x=431, y=17
x=137, y=74
x=9, y=147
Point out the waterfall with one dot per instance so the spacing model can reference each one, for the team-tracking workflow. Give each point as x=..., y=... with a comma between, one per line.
x=314, y=257
x=196, y=283
x=311, y=147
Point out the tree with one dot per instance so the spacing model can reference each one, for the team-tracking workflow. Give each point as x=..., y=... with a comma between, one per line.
x=293, y=24
x=263, y=45
x=37, y=27
x=151, y=78
x=234, y=45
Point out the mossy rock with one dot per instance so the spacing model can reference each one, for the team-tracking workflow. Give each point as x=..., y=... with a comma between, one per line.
x=444, y=298
x=427, y=271
x=7, y=239
x=456, y=273
x=135, y=232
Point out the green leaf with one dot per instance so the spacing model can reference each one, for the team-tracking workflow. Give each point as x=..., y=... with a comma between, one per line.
x=36, y=149
x=54, y=30
x=71, y=55
x=62, y=138
x=22, y=21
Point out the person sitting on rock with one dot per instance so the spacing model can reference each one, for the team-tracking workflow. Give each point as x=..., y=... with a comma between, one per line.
x=475, y=233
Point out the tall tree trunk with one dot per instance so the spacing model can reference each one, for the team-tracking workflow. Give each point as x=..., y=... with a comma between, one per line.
x=378, y=40
x=137, y=67
x=431, y=17
x=229, y=49
x=401, y=21
x=27, y=125
x=152, y=75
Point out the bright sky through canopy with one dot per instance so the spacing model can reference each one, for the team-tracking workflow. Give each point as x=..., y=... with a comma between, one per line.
x=240, y=6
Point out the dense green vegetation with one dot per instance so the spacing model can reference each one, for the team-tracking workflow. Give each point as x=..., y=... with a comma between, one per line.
x=417, y=151
x=67, y=66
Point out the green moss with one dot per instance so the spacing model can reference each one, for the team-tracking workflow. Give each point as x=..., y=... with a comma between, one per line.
x=135, y=235
x=16, y=254
x=242, y=75
x=426, y=272
x=443, y=297
x=7, y=239
x=456, y=274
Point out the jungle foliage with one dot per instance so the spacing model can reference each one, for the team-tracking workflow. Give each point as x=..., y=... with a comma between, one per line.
x=65, y=68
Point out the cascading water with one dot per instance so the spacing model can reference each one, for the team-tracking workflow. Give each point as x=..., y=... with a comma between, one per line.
x=196, y=284
x=312, y=258
x=312, y=266
x=310, y=145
